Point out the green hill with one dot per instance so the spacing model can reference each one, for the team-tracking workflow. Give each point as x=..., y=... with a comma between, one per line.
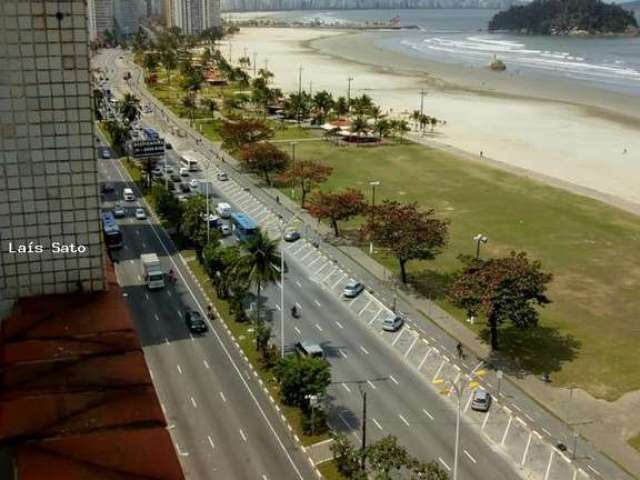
x=565, y=17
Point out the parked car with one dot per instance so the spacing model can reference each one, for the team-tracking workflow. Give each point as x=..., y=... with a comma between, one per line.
x=194, y=183
x=309, y=349
x=184, y=172
x=481, y=400
x=392, y=323
x=119, y=211
x=291, y=235
x=194, y=322
x=168, y=146
x=225, y=230
x=105, y=153
x=222, y=176
x=353, y=288
x=168, y=169
x=141, y=214
x=175, y=177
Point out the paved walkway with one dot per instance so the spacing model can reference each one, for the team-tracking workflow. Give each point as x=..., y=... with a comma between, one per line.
x=601, y=426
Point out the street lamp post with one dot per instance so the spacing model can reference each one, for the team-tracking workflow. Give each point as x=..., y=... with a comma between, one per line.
x=479, y=239
x=293, y=164
x=373, y=206
x=349, y=93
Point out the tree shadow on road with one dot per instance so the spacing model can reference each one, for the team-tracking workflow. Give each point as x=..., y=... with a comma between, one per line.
x=535, y=351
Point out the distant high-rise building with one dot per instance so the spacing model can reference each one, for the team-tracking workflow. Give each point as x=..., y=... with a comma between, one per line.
x=50, y=235
x=194, y=16
x=100, y=15
x=127, y=14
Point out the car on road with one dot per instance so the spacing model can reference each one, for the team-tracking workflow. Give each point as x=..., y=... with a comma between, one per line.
x=481, y=400
x=222, y=176
x=105, y=153
x=108, y=187
x=392, y=323
x=195, y=322
x=175, y=177
x=184, y=187
x=184, y=172
x=168, y=146
x=128, y=195
x=168, y=169
x=141, y=214
x=194, y=183
x=291, y=236
x=157, y=172
x=119, y=211
x=309, y=349
x=225, y=230
x=353, y=288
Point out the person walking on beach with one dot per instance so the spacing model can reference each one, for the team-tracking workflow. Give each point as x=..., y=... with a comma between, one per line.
x=481, y=154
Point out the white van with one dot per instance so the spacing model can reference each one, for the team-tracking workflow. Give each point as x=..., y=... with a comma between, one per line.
x=223, y=209
x=128, y=195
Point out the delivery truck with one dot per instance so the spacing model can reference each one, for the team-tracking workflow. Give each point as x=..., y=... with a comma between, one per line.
x=152, y=271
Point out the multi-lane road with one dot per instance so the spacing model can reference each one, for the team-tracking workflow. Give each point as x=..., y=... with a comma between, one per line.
x=220, y=420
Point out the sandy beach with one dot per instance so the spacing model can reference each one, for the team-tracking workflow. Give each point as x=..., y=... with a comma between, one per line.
x=580, y=135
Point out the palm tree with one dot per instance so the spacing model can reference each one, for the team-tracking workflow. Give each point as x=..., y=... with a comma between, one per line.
x=266, y=74
x=129, y=107
x=415, y=116
x=359, y=125
x=403, y=128
x=169, y=61
x=151, y=62
x=341, y=107
x=382, y=127
x=258, y=266
x=323, y=102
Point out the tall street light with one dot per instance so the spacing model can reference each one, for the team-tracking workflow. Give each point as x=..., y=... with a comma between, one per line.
x=373, y=206
x=479, y=239
x=349, y=80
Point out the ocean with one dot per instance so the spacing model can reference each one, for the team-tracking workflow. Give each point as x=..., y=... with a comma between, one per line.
x=460, y=37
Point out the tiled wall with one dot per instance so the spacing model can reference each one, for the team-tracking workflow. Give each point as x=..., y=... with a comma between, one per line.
x=48, y=171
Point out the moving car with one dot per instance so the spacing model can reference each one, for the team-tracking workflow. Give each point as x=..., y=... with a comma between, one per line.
x=141, y=214
x=225, y=230
x=168, y=146
x=309, y=349
x=222, y=176
x=291, y=236
x=481, y=400
x=353, y=288
x=108, y=188
x=119, y=211
x=392, y=323
x=194, y=183
x=105, y=153
x=224, y=209
x=168, y=169
x=128, y=195
x=175, y=177
x=184, y=172
x=194, y=322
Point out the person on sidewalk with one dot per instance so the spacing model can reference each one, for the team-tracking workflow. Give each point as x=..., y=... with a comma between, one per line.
x=460, y=350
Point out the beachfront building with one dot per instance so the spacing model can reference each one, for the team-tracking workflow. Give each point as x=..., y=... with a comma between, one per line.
x=50, y=237
x=127, y=15
x=100, y=17
x=194, y=16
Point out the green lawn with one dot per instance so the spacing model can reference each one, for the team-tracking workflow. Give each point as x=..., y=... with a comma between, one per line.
x=588, y=335
x=329, y=471
x=242, y=333
x=635, y=442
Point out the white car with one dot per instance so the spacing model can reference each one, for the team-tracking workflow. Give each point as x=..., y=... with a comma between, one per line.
x=225, y=230
x=184, y=172
x=222, y=176
x=353, y=288
x=392, y=323
x=141, y=214
x=194, y=183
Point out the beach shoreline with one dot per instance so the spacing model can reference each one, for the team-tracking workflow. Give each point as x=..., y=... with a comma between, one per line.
x=580, y=136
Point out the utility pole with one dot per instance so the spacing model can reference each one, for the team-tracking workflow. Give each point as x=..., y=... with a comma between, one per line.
x=364, y=428
x=299, y=91
x=349, y=93
x=255, y=65
x=310, y=88
x=421, y=110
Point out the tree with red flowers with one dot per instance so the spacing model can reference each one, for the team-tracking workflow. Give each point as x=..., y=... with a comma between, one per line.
x=306, y=174
x=264, y=158
x=336, y=206
x=238, y=133
x=502, y=289
x=407, y=232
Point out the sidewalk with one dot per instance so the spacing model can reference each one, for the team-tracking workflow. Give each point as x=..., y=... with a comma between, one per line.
x=603, y=425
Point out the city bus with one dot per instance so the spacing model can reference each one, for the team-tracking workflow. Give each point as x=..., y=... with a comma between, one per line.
x=189, y=161
x=244, y=227
x=111, y=231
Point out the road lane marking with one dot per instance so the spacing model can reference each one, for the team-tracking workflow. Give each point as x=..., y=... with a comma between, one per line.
x=298, y=306
x=244, y=437
x=392, y=378
x=445, y=464
x=546, y=431
x=317, y=302
x=193, y=402
x=224, y=399
x=346, y=387
x=318, y=327
x=297, y=331
x=146, y=295
x=364, y=350
x=206, y=364
x=298, y=283
x=339, y=324
x=470, y=457
x=594, y=470
x=179, y=369
x=404, y=420
x=427, y=414
x=375, y=422
x=155, y=315
x=211, y=441
x=180, y=452
x=371, y=384
x=342, y=352
x=278, y=307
